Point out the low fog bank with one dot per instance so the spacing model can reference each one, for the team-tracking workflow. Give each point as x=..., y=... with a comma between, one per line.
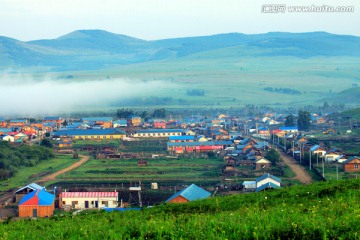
x=36, y=97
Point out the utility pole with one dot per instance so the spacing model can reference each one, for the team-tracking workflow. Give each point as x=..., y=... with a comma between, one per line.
x=310, y=158
x=323, y=170
x=337, y=173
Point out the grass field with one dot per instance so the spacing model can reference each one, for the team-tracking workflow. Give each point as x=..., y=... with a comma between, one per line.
x=27, y=175
x=327, y=210
x=156, y=170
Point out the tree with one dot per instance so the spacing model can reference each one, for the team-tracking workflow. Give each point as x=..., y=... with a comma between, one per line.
x=46, y=143
x=273, y=156
x=159, y=113
x=124, y=113
x=290, y=121
x=303, y=120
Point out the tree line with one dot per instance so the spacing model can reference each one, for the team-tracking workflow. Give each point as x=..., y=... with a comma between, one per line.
x=14, y=157
x=126, y=113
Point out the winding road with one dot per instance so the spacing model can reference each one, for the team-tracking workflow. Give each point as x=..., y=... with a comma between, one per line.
x=71, y=167
x=300, y=173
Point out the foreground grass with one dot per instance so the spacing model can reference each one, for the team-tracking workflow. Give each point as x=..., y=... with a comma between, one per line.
x=329, y=210
x=26, y=175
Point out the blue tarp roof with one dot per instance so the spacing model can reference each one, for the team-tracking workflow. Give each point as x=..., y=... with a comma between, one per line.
x=97, y=119
x=18, y=120
x=209, y=143
x=5, y=130
x=43, y=198
x=191, y=193
x=121, y=209
x=288, y=128
x=181, y=137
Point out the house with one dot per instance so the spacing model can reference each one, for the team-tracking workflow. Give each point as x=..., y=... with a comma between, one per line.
x=316, y=149
x=192, y=147
x=120, y=123
x=264, y=132
x=91, y=134
x=352, y=164
x=158, y=133
x=332, y=156
x=56, y=120
x=188, y=194
x=84, y=200
x=4, y=131
x=134, y=120
x=3, y=123
x=289, y=129
x=65, y=143
x=103, y=122
x=249, y=186
x=9, y=138
x=38, y=203
x=18, y=122
x=262, y=163
x=341, y=159
x=267, y=181
x=159, y=124
x=19, y=194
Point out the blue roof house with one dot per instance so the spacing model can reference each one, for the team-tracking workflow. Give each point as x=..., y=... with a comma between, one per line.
x=267, y=181
x=188, y=194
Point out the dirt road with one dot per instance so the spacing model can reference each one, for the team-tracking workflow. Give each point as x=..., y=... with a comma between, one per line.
x=300, y=173
x=55, y=174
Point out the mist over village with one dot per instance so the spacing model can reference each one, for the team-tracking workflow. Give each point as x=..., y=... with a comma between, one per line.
x=179, y=120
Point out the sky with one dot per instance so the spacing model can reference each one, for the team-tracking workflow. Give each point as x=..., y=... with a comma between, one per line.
x=159, y=19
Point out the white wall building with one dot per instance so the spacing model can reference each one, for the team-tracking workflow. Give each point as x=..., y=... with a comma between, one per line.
x=83, y=200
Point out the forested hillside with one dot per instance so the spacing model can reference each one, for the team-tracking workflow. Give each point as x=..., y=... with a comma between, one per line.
x=14, y=157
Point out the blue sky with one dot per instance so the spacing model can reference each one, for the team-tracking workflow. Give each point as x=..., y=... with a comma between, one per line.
x=159, y=19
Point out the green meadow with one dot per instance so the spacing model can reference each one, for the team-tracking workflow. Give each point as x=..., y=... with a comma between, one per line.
x=191, y=170
x=27, y=175
x=324, y=210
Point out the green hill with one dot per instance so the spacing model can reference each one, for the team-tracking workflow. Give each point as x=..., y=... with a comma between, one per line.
x=328, y=210
x=354, y=113
x=96, y=49
x=351, y=95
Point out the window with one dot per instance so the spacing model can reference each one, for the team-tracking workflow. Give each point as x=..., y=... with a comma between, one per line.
x=356, y=166
x=104, y=202
x=114, y=202
x=64, y=202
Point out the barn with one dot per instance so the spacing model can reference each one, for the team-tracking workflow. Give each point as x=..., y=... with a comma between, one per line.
x=352, y=164
x=19, y=194
x=38, y=203
x=188, y=194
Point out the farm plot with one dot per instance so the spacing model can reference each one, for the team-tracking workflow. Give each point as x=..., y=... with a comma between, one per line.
x=156, y=170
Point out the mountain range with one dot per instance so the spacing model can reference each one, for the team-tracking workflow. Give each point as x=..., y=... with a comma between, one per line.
x=97, y=49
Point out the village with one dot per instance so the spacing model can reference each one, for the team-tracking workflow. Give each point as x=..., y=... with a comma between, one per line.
x=237, y=155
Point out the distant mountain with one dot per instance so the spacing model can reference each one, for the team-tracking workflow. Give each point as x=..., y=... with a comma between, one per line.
x=96, y=49
x=351, y=95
